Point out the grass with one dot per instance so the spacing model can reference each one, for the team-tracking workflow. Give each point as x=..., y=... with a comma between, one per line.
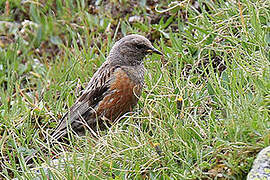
x=216, y=58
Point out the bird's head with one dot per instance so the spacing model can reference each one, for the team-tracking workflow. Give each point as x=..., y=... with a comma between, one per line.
x=132, y=49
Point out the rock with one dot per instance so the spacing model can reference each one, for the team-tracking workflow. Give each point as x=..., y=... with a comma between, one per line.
x=261, y=166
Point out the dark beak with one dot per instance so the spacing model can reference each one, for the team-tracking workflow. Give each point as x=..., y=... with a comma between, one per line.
x=154, y=50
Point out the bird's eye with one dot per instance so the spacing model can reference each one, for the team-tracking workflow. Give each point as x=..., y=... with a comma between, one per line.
x=140, y=46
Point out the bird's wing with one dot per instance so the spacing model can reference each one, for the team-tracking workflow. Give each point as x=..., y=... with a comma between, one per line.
x=85, y=105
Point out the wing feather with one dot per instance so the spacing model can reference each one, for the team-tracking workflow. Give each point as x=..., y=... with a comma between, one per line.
x=84, y=107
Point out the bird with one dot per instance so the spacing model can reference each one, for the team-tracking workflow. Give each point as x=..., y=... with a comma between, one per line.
x=113, y=90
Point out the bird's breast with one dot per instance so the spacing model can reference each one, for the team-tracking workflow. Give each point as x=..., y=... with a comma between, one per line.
x=122, y=96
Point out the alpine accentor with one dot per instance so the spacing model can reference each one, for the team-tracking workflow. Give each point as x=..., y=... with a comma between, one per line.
x=113, y=90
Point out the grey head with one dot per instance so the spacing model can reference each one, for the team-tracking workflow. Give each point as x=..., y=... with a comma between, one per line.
x=131, y=50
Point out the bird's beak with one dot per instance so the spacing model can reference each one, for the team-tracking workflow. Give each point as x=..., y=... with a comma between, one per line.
x=154, y=50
